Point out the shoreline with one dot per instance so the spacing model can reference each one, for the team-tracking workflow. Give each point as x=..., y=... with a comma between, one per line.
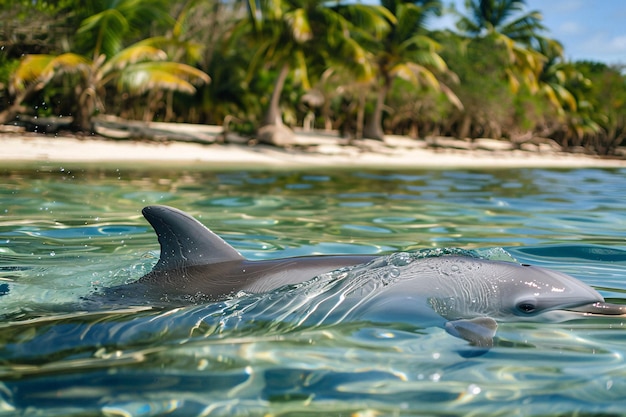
x=317, y=150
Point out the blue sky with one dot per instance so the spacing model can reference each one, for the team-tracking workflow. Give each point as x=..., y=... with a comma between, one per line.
x=588, y=29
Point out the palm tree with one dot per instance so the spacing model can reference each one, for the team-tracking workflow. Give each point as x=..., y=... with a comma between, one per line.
x=136, y=69
x=289, y=33
x=34, y=73
x=555, y=76
x=406, y=51
x=179, y=46
x=498, y=17
x=506, y=23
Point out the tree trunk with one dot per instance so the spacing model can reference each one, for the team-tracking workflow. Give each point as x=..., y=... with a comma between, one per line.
x=374, y=126
x=169, y=107
x=464, y=129
x=273, y=116
x=84, y=112
x=326, y=114
x=360, y=115
x=414, y=130
x=272, y=130
x=10, y=113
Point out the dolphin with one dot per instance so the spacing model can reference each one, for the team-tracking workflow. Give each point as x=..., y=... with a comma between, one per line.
x=465, y=295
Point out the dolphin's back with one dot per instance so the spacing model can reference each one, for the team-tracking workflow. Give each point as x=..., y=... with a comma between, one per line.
x=196, y=263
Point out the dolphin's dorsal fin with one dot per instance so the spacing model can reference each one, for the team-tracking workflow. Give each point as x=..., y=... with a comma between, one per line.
x=185, y=241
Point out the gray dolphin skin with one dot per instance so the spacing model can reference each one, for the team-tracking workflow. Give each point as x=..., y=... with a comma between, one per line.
x=465, y=295
x=197, y=264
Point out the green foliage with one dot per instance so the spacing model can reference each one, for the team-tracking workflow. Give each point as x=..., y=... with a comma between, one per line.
x=42, y=6
x=138, y=69
x=601, y=110
x=417, y=118
x=7, y=68
x=531, y=113
x=487, y=99
x=115, y=21
x=349, y=65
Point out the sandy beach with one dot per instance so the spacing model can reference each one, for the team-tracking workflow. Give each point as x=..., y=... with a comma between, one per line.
x=314, y=150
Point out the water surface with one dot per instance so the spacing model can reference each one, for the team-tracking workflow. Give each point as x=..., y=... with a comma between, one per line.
x=65, y=233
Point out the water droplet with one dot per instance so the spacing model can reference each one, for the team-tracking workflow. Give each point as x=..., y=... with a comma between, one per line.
x=400, y=259
x=473, y=389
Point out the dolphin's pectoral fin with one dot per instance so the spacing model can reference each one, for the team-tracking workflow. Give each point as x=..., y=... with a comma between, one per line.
x=185, y=241
x=478, y=331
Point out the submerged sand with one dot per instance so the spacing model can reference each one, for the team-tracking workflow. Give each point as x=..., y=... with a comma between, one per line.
x=313, y=150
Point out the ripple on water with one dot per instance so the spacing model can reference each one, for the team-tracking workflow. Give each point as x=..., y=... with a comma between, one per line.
x=272, y=354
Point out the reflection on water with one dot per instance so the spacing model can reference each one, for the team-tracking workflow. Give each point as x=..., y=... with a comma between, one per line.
x=65, y=233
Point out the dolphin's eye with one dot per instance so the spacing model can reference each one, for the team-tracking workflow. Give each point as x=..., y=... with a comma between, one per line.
x=526, y=307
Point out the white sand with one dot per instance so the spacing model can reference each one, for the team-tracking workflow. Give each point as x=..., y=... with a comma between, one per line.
x=397, y=153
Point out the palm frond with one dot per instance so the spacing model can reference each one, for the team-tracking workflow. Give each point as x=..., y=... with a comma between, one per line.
x=41, y=68
x=132, y=55
x=139, y=11
x=416, y=74
x=367, y=20
x=301, y=70
x=30, y=70
x=191, y=51
x=357, y=59
x=566, y=96
x=419, y=43
x=452, y=98
x=514, y=83
x=108, y=28
x=524, y=29
x=67, y=63
x=298, y=22
x=411, y=19
x=170, y=76
x=138, y=82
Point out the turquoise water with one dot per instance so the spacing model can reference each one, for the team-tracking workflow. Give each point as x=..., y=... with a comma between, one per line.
x=65, y=233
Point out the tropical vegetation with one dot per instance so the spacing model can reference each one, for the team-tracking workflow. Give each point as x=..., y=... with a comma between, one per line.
x=366, y=70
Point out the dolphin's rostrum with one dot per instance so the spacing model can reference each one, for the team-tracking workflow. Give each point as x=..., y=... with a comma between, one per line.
x=465, y=295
